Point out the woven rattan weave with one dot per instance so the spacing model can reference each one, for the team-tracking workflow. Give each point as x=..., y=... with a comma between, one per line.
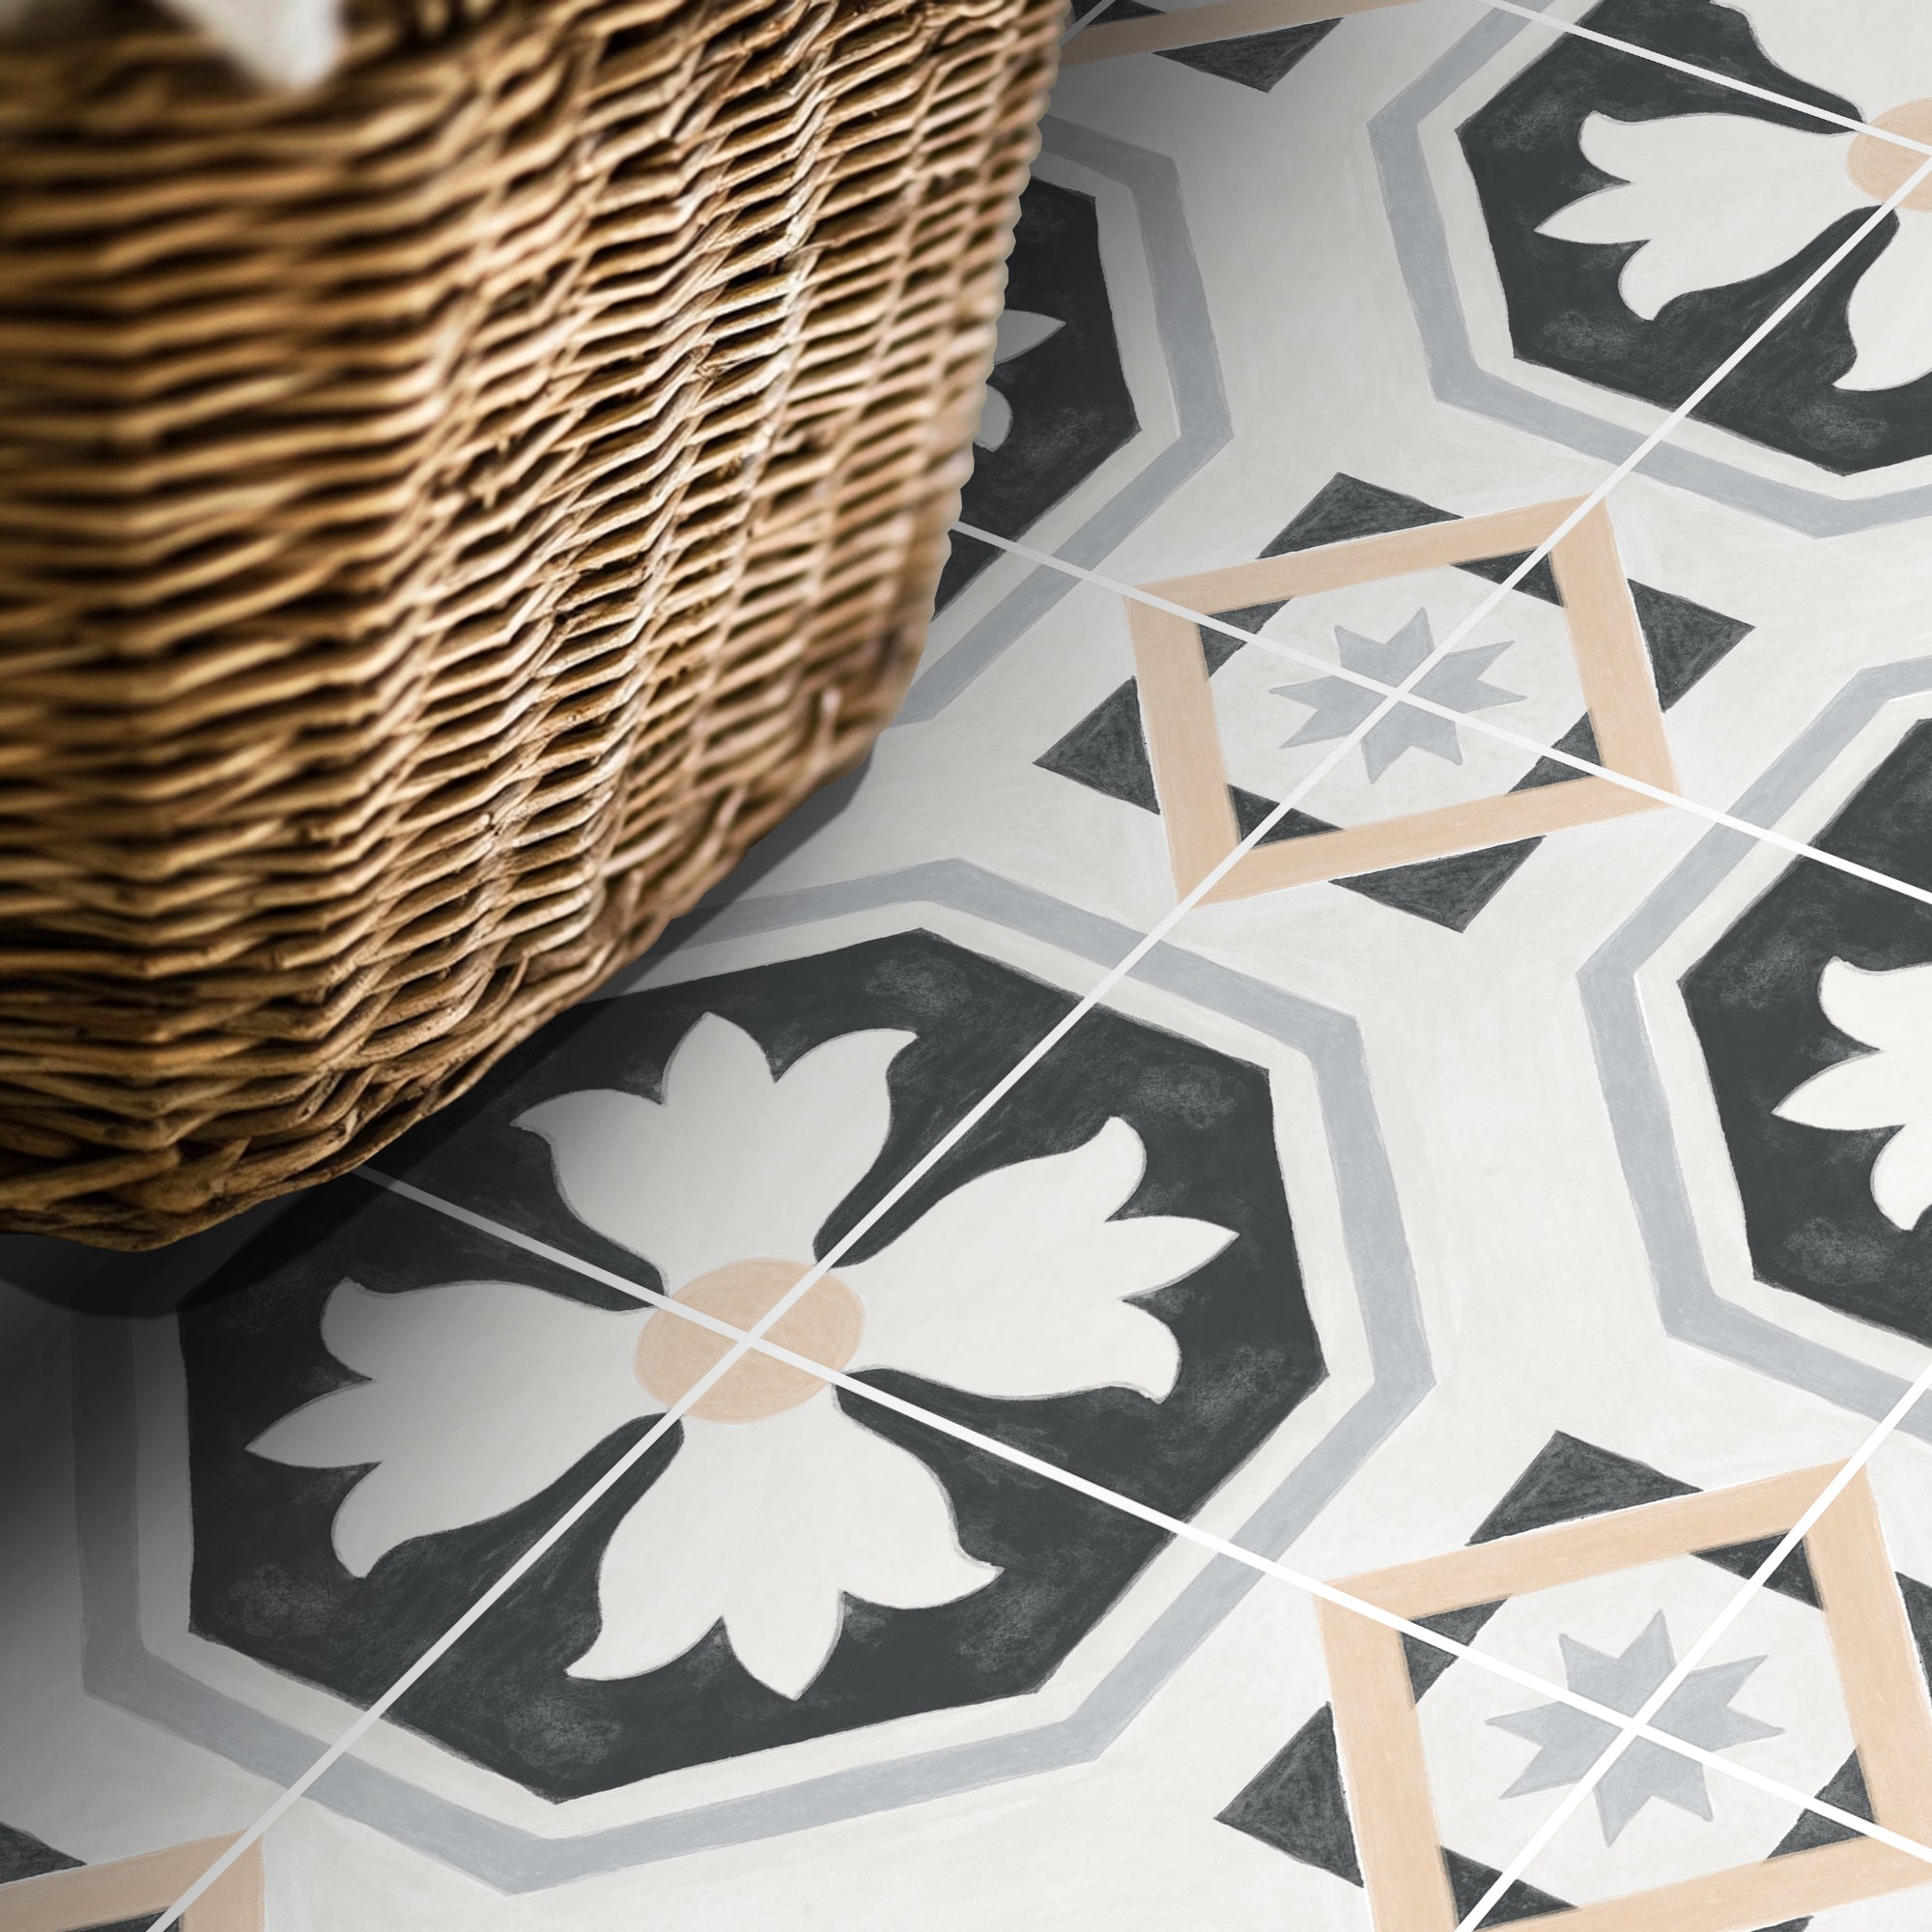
x=444, y=518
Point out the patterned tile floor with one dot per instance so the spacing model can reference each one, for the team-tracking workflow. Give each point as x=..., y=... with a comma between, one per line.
x=1275, y=1276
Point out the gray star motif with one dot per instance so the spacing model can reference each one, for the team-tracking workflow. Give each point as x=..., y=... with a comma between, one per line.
x=1456, y=682
x=1570, y=1740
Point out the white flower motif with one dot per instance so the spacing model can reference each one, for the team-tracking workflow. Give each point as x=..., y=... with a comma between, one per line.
x=1717, y=198
x=777, y=1505
x=1019, y=329
x=1891, y=1087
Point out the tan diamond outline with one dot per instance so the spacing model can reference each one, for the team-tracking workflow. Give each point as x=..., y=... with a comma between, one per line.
x=1185, y=747
x=105, y=1894
x=1380, y=1736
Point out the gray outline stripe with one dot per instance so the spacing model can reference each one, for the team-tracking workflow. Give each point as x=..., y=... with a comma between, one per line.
x=1633, y=1094
x=119, y=1667
x=1422, y=248
x=1205, y=426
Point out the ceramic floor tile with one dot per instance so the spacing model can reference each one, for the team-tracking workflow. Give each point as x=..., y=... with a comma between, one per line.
x=1226, y=1354
x=1161, y=342
x=1632, y=219
x=1122, y=1836
x=1585, y=1576
x=1828, y=1660
x=1224, y=732
x=105, y=1817
x=1416, y=117
x=46, y=1890
x=1626, y=289
x=800, y=1613
x=1502, y=1759
x=1752, y=1017
x=1400, y=462
x=831, y=1608
x=1500, y=1168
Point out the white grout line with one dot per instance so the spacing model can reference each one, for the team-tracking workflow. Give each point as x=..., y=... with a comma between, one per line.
x=1112, y=977
x=367, y=1720
x=1085, y=19
x=933, y=1154
x=1658, y=58
x=1188, y=1532
x=744, y=1340
x=752, y=1337
x=1653, y=1705
x=1403, y=693
x=1473, y=721
x=1639, y=1723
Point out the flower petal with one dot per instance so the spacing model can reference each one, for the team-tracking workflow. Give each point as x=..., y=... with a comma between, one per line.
x=1013, y=1285
x=1889, y=1011
x=1888, y=1007
x=1890, y=314
x=996, y=419
x=1901, y=1176
x=482, y=1393
x=1715, y=198
x=732, y=1164
x=1876, y=60
x=769, y=1526
x=1871, y=1089
x=1019, y=329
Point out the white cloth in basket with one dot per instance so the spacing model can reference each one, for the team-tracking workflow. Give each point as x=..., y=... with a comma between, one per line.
x=283, y=42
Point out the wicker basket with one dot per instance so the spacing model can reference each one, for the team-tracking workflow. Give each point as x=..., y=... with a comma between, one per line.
x=443, y=520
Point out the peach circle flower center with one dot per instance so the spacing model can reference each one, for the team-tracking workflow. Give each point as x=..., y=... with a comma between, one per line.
x=1879, y=169
x=823, y=1324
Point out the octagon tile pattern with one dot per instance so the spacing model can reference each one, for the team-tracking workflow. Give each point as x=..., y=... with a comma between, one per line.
x=1273, y=1274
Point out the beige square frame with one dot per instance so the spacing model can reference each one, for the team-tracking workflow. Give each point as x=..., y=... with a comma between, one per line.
x=1185, y=746
x=1384, y=1772
x=105, y=1894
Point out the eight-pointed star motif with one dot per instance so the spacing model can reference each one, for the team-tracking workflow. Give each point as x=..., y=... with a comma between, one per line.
x=1890, y=1087
x=1340, y=706
x=777, y=1505
x=1717, y=198
x=1570, y=1740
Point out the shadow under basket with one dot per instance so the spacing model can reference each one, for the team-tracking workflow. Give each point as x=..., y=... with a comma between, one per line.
x=444, y=518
